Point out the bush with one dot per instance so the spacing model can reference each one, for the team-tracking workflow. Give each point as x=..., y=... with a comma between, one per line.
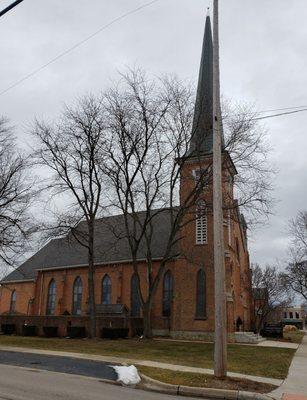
x=50, y=331
x=114, y=333
x=290, y=328
x=29, y=330
x=8, y=329
x=76, y=332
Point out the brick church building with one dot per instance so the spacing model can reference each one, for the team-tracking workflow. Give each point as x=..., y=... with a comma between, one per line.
x=50, y=288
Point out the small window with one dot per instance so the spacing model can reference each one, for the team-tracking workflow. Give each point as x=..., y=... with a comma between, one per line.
x=77, y=297
x=135, y=297
x=201, y=223
x=13, y=302
x=51, y=298
x=167, y=294
x=291, y=315
x=285, y=315
x=297, y=315
x=106, y=290
x=201, y=294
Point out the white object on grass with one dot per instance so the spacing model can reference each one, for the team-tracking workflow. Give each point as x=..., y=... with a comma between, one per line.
x=127, y=375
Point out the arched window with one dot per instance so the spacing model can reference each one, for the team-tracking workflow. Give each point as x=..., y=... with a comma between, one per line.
x=167, y=294
x=201, y=294
x=201, y=223
x=51, y=298
x=106, y=296
x=135, y=298
x=77, y=297
x=13, y=302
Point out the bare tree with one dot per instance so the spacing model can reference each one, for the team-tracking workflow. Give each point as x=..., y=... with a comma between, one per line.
x=298, y=235
x=15, y=198
x=295, y=278
x=137, y=138
x=246, y=142
x=149, y=131
x=269, y=293
x=295, y=275
x=72, y=149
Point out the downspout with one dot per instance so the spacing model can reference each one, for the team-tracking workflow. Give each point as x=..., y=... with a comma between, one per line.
x=40, y=294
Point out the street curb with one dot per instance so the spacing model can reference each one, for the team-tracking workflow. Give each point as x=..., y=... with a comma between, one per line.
x=209, y=393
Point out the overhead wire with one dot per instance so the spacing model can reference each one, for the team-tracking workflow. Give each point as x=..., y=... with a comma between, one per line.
x=279, y=114
x=78, y=44
x=294, y=109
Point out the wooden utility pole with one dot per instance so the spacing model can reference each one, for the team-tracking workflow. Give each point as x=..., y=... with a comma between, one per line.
x=220, y=343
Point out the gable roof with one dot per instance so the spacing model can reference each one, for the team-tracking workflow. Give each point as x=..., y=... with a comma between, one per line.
x=110, y=246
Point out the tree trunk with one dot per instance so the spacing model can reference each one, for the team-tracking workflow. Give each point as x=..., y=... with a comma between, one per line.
x=91, y=285
x=147, y=320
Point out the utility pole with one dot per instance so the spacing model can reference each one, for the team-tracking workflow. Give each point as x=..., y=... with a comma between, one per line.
x=220, y=342
x=8, y=8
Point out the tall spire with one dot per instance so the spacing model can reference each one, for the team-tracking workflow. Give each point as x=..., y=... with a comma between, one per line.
x=202, y=132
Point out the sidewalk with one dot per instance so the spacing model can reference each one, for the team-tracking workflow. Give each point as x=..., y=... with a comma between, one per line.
x=276, y=343
x=295, y=386
x=155, y=364
x=265, y=343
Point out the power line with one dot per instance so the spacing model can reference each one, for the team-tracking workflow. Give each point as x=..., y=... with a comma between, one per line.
x=293, y=111
x=282, y=109
x=278, y=115
x=78, y=44
x=10, y=7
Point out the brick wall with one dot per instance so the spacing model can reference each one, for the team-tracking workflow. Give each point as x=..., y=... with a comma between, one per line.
x=24, y=293
x=184, y=270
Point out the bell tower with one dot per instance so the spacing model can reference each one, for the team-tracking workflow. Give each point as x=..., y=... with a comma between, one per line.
x=197, y=162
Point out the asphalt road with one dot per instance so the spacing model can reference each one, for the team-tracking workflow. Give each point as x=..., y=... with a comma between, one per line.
x=18, y=383
x=66, y=365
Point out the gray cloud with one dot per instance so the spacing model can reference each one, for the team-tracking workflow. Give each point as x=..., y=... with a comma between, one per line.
x=263, y=61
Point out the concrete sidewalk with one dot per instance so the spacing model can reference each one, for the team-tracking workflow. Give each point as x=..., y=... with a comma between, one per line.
x=295, y=386
x=279, y=344
x=265, y=343
x=147, y=363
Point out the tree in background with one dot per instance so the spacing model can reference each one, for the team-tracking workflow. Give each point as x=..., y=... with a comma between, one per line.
x=150, y=126
x=72, y=151
x=16, y=195
x=295, y=275
x=269, y=293
x=131, y=145
x=246, y=142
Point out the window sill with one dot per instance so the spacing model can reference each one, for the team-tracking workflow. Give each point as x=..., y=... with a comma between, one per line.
x=200, y=318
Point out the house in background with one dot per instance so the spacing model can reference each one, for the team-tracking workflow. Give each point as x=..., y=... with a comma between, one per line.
x=294, y=316
x=50, y=289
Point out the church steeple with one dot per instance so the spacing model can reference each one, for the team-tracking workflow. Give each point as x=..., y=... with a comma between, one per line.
x=202, y=132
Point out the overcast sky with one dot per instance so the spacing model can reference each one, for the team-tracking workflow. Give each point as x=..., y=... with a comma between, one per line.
x=263, y=61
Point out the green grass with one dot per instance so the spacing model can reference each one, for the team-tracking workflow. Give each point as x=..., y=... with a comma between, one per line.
x=251, y=360
x=206, y=381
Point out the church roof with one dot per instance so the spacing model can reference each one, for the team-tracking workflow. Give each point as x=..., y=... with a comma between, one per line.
x=202, y=131
x=111, y=246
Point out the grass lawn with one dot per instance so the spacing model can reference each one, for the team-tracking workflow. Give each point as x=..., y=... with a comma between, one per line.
x=199, y=380
x=251, y=360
